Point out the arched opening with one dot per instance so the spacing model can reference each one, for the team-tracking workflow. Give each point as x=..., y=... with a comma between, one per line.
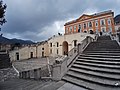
x=65, y=48
x=91, y=32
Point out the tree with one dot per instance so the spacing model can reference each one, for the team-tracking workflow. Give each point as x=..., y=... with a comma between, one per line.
x=2, y=12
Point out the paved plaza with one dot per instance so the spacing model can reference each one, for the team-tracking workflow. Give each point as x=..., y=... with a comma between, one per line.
x=34, y=63
x=69, y=86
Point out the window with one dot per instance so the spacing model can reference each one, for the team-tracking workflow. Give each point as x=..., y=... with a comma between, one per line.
x=66, y=30
x=57, y=51
x=96, y=23
x=75, y=43
x=70, y=29
x=50, y=51
x=74, y=28
x=84, y=26
x=42, y=48
x=42, y=54
x=90, y=24
x=102, y=22
x=109, y=21
x=31, y=54
x=50, y=44
x=57, y=44
x=109, y=29
x=79, y=28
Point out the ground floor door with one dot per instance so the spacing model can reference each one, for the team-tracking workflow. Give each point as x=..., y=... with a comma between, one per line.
x=65, y=48
x=17, y=56
x=31, y=55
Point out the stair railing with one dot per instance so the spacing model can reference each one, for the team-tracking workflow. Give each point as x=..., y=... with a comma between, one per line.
x=82, y=46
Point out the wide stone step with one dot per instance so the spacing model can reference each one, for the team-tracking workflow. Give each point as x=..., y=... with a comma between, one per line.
x=98, y=65
x=94, y=79
x=98, y=74
x=100, y=61
x=97, y=69
x=100, y=56
x=87, y=84
x=103, y=38
x=103, y=53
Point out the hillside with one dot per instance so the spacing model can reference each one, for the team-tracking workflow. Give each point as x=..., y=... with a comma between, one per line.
x=5, y=40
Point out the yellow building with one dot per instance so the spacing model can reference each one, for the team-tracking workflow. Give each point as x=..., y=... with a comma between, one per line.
x=95, y=23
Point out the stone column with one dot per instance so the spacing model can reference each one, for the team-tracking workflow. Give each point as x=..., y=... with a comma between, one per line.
x=28, y=74
x=35, y=74
x=20, y=74
x=31, y=74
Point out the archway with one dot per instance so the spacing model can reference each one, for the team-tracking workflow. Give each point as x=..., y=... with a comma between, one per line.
x=91, y=32
x=65, y=48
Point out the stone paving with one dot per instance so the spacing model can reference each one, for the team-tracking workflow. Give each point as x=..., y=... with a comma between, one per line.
x=34, y=63
x=69, y=86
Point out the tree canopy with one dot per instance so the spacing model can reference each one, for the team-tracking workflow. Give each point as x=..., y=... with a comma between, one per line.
x=2, y=12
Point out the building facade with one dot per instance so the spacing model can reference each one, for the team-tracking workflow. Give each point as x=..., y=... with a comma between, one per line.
x=30, y=51
x=61, y=45
x=75, y=32
x=95, y=23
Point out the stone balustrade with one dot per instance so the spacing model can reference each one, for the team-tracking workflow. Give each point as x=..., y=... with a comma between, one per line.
x=35, y=73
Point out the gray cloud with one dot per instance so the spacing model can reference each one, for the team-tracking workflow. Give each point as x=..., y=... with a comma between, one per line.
x=39, y=19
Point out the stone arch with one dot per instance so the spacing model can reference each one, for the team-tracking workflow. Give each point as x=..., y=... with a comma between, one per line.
x=91, y=31
x=65, y=48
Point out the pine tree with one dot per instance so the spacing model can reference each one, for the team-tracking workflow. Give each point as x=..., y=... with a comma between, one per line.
x=2, y=12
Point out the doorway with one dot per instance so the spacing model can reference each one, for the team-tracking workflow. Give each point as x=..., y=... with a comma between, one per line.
x=65, y=48
x=17, y=56
x=31, y=54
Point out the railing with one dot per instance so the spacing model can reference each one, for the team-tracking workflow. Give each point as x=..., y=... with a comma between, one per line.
x=82, y=46
x=62, y=64
x=37, y=73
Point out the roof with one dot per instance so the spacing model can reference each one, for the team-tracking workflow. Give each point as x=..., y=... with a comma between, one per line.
x=85, y=16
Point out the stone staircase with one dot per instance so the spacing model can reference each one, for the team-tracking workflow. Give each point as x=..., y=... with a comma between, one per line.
x=98, y=67
x=4, y=61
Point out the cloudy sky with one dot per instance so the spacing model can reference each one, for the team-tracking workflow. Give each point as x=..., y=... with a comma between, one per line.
x=38, y=20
